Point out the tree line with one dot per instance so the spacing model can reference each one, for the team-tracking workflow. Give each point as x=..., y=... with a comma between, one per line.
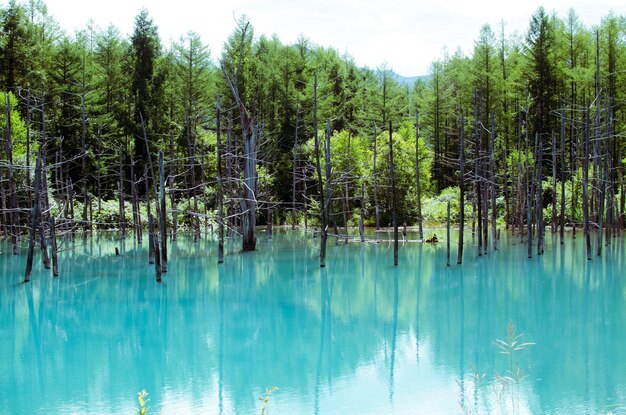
x=527, y=130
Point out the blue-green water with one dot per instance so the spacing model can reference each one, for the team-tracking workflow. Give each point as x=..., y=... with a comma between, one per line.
x=359, y=337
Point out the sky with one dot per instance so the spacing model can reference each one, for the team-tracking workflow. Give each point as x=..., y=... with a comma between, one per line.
x=405, y=35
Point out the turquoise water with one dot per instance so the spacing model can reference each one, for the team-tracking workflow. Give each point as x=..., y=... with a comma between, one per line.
x=359, y=337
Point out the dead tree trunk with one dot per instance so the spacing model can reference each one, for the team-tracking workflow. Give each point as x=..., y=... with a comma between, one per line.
x=493, y=183
x=162, y=214
x=53, y=242
x=172, y=191
x=45, y=258
x=361, y=218
x=151, y=241
x=35, y=217
x=538, y=193
x=318, y=168
x=417, y=177
x=220, y=186
x=554, y=216
x=477, y=175
x=376, y=207
x=99, y=173
x=461, y=191
x=448, y=236
x=14, y=213
x=122, y=219
x=249, y=136
x=83, y=136
x=586, y=186
x=529, y=199
x=294, y=167
x=562, y=215
x=326, y=202
x=154, y=247
x=393, y=197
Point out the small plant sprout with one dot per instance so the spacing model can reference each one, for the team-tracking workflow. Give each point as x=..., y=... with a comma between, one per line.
x=143, y=402
x=265, y=399
x=508, y=347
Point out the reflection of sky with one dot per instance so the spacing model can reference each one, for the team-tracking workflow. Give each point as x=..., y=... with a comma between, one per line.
x=359, y=337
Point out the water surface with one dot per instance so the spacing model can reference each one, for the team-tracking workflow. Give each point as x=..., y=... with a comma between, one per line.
x=358, y=337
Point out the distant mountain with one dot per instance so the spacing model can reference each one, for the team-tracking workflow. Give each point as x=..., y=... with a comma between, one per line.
x=409, y=80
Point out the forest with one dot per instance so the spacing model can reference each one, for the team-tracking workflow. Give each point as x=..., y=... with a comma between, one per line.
x=103, y=131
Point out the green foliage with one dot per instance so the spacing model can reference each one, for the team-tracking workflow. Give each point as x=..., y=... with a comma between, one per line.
x=436, y=208
x=522, y=82
x=18, y=128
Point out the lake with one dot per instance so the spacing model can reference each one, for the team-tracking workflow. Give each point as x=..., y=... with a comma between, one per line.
x=360, y=336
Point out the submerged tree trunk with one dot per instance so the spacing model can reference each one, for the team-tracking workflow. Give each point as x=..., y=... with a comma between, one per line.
x=318, y=168
x=154, y=247
x=324, y=199
x=374, y=177
x=45, y=258
x=83, y=135
x=361, y=218
x=172, y=191
x=529, y=199
x=220, y=186
x=562, y=215
x=417, y=177
x=294, y=167
x=53, y=242
x=586, y=186
x=122, y=220
x=249, y=136
x=538, y=193
x=393, y=197
x=493, y=184
x=461, y=191
x=162, y=214
x=554, y=215
x=448, y=236
x=14, y=213
x=35, y=217
x=151, y=239
x=477, y=175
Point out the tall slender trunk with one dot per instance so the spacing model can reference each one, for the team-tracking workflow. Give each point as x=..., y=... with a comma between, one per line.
x=448, y=236
x=44, y=211
x=493, y=183
x=162, y=214
x=220, y=186
x=529, y=199
x=122, y=220
x=562, y=215
x=320, y=183
x=294, y=167
x=151, y=235
x=554, y=215
x=172, y=190
x=477, y=175
x=83, y=139
x=417, y=176
x=361, y=217
x=53, y=242
x=585, y=156
x=14, y=213
x=393, y=197
x=374, y=176
x=538, y=192
x=461, y=190
x=35, y=217
x=346, y=199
